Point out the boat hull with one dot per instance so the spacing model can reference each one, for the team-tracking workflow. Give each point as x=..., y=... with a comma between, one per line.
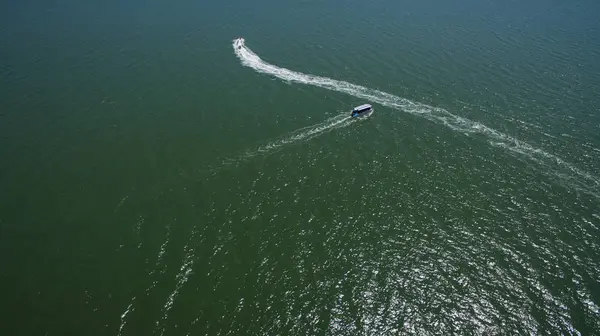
x=362, y=114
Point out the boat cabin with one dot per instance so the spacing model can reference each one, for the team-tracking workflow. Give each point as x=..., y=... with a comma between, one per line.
x=365, y=108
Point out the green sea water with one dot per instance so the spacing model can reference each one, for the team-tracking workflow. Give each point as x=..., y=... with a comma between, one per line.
x=161, y=176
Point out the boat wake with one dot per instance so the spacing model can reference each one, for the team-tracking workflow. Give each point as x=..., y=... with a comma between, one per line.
x=302, y=134
x=305, y=133
x=555, y=166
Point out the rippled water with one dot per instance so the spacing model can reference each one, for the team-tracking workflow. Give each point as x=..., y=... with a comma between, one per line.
x=159, y=179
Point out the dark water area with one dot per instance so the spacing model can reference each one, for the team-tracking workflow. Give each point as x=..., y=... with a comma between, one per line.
x=158, y=179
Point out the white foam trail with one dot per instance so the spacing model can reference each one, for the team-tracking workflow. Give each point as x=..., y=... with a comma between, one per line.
x=302, y=134
x=124, y=316
x=563, y=170
x=306, y=133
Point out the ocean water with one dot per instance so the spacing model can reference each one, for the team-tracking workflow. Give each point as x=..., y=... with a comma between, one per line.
x=191, y=168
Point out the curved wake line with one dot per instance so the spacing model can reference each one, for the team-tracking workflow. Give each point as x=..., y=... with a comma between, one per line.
x=305, y=133
x=571, y=175
x=302, y=134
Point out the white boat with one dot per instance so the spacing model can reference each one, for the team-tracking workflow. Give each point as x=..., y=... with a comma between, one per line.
x=364, y=110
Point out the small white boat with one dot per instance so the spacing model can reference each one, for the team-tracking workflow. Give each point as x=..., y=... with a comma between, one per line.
x=364, y=110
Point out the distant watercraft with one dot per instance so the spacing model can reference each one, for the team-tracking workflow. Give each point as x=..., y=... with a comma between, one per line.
x=239, y=42
x=364, y=110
